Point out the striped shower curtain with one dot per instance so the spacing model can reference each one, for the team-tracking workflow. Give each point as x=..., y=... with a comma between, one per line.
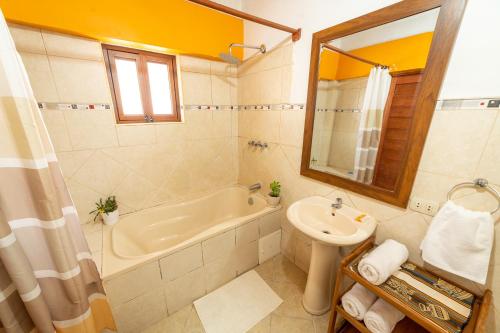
x=370, y=124
x=48, y=280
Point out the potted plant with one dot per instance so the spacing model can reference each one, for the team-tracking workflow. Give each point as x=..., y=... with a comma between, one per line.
x=274, y=198
x=108, y=210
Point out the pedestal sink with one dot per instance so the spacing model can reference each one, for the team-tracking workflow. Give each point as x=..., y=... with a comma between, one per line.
x=329, y=228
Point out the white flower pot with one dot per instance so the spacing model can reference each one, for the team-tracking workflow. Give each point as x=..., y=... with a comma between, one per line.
x=273, y=201
x=110, y=218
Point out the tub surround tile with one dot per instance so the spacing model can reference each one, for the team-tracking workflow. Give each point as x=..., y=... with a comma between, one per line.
x=142, y=188
x=246, y=257
x=221, y=90
x=102, y=173
x=40, y=75
x=247, y=233
x=269, y=223
x=71, y=161
x=196, y=88
x=223, y=68
x=220, y=271
x=27, y=39
x=140, y=312
x=80, y=81
x=56, y=125
x=215, y=247
x=195, y=65
x=63, y=45
x=184, y=290
x=91, y=130
x=94, y=241
x=132, y=284
x=131, y=135
x=181, y=263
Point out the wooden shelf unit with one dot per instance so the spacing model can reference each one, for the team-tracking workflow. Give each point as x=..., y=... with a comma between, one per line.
x=414, y=321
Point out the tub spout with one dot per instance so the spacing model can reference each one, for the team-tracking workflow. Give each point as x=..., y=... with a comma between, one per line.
x=254, y=187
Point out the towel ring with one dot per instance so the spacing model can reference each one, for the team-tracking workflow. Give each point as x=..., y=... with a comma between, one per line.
x=482, y=183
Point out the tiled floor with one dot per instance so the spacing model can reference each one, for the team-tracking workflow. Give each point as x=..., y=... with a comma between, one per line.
x=287, y=280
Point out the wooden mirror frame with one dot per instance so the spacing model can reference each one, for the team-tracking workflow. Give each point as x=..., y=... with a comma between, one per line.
x=446, y=30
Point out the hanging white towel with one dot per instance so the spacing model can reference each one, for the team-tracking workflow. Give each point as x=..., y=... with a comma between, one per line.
x=357, y=301
x=382, y=317
x=384, y=260
x=460, y=241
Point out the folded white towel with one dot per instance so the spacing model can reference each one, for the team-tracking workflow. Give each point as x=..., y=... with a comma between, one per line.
x=357, y=301
x=460, y=241
x=382, y=317
x=384, y=260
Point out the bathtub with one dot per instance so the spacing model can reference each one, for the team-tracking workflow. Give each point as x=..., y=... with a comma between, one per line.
x=170, y=255
x=164, y=228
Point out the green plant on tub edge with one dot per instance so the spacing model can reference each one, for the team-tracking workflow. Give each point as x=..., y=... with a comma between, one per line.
x=275, y=187
x=106, y=207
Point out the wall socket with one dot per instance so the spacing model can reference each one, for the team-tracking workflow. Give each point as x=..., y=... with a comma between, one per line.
x=424, y=206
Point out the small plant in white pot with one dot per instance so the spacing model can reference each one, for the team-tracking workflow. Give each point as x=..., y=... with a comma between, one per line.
x=273, y=197
x=108, y=210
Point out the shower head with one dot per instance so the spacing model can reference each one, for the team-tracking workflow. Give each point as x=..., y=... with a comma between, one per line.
x=229, y=58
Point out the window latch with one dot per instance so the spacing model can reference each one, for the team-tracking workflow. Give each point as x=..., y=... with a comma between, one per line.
x=148, y=118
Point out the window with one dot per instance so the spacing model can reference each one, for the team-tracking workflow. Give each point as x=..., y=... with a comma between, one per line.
x=144, y=85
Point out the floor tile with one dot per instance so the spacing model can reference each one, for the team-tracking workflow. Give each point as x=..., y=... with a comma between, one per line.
x=280, y=324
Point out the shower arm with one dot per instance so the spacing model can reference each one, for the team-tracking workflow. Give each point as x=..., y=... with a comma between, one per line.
x=238, y=13
x=261, y=48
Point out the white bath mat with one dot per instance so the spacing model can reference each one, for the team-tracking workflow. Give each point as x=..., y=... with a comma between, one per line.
x=237, y=306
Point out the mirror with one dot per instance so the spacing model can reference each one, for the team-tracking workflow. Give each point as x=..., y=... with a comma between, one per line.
x=370, y=99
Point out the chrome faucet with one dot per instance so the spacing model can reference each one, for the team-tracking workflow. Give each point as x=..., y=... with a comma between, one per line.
x=336, y=205
x=254, y=187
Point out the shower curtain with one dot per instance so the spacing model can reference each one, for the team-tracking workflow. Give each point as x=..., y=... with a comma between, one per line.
x=48, y=280
x=370, y=124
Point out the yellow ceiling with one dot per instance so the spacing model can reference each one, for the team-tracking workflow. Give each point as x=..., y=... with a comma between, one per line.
x=177, y=25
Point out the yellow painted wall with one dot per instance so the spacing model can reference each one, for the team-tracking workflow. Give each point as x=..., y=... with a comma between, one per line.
x=400, y=54
x=177, y=25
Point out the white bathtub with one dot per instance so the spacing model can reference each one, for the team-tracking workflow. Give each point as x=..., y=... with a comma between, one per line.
x=170, y=255
x=160, y=229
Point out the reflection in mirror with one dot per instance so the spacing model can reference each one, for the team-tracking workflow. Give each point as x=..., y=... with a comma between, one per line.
x=364, y=102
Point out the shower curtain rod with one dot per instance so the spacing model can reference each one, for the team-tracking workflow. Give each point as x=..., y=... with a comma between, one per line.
x=336, y=49
x=231, y=11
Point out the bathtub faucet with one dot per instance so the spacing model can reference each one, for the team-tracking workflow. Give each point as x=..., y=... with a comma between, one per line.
x=254, y=187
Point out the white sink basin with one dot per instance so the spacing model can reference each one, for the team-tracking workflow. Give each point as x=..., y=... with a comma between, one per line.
x=329, y=229
x=313, y=216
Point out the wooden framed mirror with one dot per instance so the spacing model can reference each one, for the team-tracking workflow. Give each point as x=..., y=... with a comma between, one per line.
x=373, y=87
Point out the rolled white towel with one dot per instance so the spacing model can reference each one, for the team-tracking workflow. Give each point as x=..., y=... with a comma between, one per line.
x=357, y=301
x=384, y=260
x=382, y=317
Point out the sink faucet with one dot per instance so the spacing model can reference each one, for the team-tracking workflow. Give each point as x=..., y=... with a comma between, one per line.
x=336, y=205
x=254, y=187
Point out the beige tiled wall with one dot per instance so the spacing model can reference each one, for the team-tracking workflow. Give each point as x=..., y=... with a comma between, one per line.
x=461, y=145
x=143, y=165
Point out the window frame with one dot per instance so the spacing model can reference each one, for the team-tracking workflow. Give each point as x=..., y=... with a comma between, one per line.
x=111, y=52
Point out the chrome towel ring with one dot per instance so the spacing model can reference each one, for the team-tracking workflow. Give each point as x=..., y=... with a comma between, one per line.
x=481, y=183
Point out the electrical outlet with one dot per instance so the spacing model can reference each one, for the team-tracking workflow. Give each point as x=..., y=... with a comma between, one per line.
x=424, y=206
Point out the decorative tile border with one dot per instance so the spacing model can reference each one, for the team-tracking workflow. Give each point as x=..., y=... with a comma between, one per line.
x=70, y=106
x=210, y=107
x=442, y=105
x=468, y=104
x=339, y=110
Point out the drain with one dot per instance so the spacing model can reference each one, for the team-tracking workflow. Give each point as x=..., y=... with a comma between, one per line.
x=326, y=232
